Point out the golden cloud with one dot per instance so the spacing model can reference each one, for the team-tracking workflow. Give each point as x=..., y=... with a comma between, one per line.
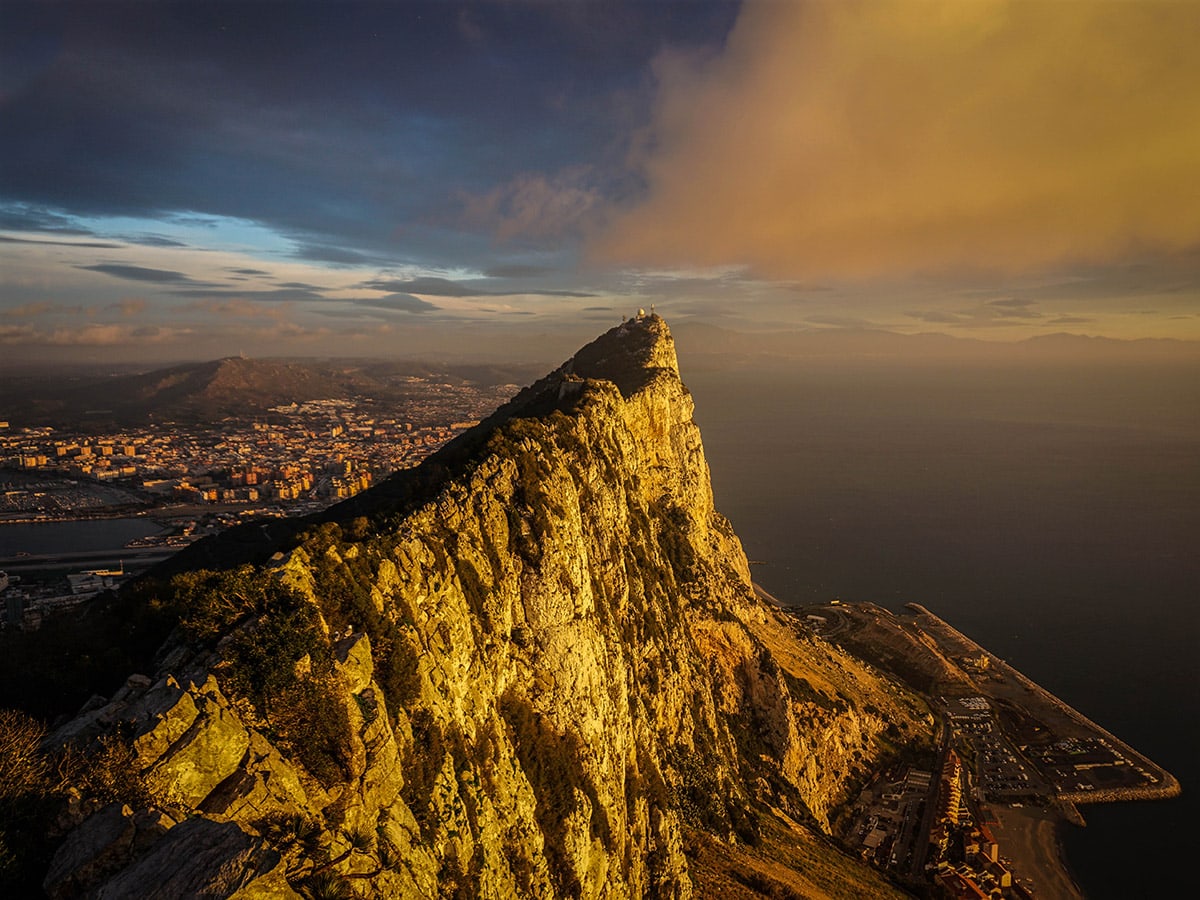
x=866, y=138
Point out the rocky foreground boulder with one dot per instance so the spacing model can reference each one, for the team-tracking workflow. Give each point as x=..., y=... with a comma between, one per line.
x=533, y=667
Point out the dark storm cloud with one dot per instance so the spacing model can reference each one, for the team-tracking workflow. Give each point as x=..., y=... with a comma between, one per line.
x=339, y=125
x=138, y=273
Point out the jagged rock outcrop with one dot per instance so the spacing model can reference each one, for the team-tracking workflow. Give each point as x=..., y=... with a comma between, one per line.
x=523, y=670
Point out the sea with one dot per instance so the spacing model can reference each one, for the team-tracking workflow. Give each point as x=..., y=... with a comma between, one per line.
x=1052, y=514
x=71, y=537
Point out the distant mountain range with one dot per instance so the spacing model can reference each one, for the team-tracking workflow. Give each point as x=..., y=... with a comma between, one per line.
x=707, y=343
x=210, y=391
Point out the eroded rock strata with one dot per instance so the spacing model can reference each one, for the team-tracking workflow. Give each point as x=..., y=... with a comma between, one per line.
x=532, y=668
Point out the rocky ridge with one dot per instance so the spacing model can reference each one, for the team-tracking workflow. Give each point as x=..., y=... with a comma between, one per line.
x=532, y=668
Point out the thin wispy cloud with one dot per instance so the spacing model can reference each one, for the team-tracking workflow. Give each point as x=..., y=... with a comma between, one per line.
x=138, y=273
x=396, y=303
x=94, y=245
x=445, y=287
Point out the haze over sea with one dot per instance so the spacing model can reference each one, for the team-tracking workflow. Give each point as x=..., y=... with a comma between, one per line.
x=1052, y=514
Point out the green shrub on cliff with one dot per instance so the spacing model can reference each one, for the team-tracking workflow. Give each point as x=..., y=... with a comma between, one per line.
x=275, y=655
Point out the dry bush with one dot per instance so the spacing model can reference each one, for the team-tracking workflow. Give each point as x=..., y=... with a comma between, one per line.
x=22, y=767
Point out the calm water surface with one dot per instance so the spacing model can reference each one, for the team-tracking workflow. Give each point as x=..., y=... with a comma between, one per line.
x=71, y=537
x=1054, y=516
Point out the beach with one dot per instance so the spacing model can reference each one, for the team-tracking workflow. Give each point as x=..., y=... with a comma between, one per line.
x=1029, y=839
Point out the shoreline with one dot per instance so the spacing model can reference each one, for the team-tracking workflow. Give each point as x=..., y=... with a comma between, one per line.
x=1031, y=838
x=1168, y=785
x=1064, y=758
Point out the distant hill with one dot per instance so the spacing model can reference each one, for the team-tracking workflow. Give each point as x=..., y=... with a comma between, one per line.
x=210, y=391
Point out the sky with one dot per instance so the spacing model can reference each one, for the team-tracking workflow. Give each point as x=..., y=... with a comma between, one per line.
x=185, y=180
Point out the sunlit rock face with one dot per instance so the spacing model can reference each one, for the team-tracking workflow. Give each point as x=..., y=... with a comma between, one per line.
x=528, y=667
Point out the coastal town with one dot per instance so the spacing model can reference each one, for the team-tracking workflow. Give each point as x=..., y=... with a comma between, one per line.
x=188, y=481
x=320, y=450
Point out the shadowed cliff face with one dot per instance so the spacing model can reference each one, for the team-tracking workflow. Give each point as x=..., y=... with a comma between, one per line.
x=526, y=669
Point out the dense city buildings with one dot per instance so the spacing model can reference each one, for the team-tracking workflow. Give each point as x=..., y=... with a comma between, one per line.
x=189, y=480
x=300, y=454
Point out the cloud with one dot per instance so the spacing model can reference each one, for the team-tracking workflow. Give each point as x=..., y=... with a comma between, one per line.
x=434, y=287
x=30, y=310
x=397, y=303
x=533, y=205
x=1013, y=309
x=1007, y=311
x=101, y=335
x=22, y=217
x=852, y=322
x=517, y=270
x=130, y=306
x=42, y=309
x=137, y=273
x=936, y=317
x=95, y=245
x=154, y=240
x=275, y=295
x=1071, y=320
x=858, y=139
x=328, y=253
x=236, y=308
x=15, y=334
x=443, y=287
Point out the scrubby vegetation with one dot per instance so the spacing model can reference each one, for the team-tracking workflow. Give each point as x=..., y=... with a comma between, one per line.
x=36, y=783
x=26, y=790
x=276, y=657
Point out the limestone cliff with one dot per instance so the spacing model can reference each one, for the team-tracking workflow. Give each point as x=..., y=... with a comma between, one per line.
x=532, y=668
